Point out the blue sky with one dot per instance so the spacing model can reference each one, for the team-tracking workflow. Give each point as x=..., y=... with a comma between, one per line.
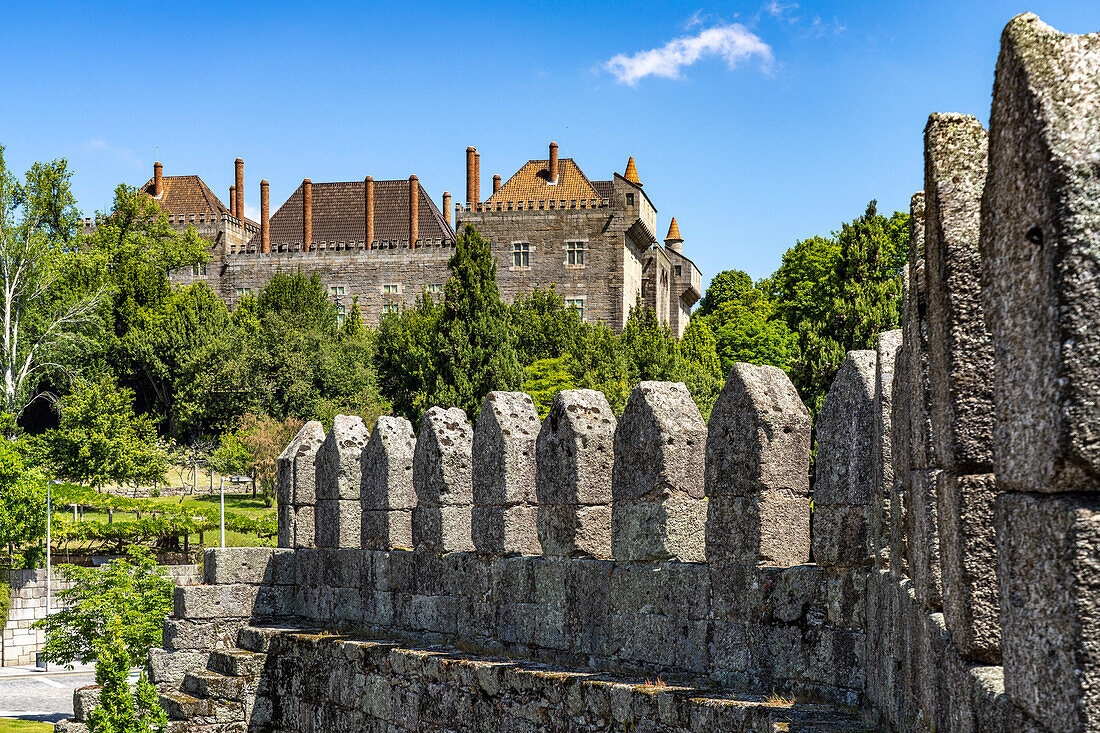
x=755, y=124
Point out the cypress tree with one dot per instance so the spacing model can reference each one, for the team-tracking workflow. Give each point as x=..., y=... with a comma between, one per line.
x=475, y=346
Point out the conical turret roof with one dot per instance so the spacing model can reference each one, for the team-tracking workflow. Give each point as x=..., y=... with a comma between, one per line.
x=673, y=232
x=631, y=172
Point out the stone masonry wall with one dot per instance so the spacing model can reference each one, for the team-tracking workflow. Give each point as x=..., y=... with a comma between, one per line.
x=955, y=526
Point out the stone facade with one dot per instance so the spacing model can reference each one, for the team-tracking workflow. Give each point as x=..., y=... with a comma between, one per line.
x=359, y=243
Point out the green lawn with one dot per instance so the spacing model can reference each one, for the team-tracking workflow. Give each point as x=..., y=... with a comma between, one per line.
x=10, y=725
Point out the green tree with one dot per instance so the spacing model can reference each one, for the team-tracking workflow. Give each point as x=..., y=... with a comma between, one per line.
x=701, y=370
x=299, y=300
x=650, y=349
x=407, y=369
x=39, y=317
x=598, y=363
x=545, y=378
x=120, y=709
x=836, y=294
x=133, y=593
x=353, y=323
x=100, y=439
x=747, y=330
x=22, y=506
x=724, y=287
x=544, y=326
x=474, y=344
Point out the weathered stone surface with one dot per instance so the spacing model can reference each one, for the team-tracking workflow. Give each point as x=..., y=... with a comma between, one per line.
x=252, y=565
x=969, y=561
x=575, y=454
x=959, y=348
x=297, y=469
x=658, y=509
x=504, y=481
x=846, y=435
x=305, y=525
x=339, y=472
x=386, y=492
x=1040, y=252
x=924, y=539
x=758, y=437
x=772, y=527
x=443, y=480
x=85, y=700
x=387, y=529
x=882, y=475
x=339, y=523
x=1048, y=563
x=840, y=534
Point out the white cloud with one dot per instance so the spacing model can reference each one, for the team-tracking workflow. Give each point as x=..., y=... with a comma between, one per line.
x=125, y=155
x=820, y=28
x=781, y=10
x=695, y=19
x=733, y=42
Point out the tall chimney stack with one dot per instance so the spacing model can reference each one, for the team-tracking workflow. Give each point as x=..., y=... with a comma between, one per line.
x=553, y=163
x=368, y=184
x=477, y=178
x=471, y=177
x=447, y=207
x=158, y=179
x=307, y=215
x=232, y=200
x=239, y=166
x=414, y=211
x=496, y=182
x=265, y=220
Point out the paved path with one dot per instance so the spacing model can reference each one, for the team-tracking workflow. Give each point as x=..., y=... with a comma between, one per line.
x=31, y=694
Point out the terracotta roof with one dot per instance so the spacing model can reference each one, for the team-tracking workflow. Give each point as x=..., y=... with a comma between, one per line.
x=673, y=232
x=529, y=183
x=184, y=195
x=340, y=215
x=631, y=172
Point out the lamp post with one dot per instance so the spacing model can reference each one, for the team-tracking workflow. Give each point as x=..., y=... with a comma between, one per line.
x=221, y=488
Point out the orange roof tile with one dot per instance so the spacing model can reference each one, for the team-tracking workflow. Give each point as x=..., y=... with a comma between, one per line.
x=631, y=172
x=673, y=232
x=530, y=183
x=186, y=195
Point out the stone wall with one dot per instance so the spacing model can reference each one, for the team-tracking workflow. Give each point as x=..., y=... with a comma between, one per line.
x=21, y=643
x=955, y=527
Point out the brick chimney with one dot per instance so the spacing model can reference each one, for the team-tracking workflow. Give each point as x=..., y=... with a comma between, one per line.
x=265, y=221
x=553, y=163
x=238, y=165
x=232, y=200
x=447, y=207
x=414, y=211
x=307, y=215
x=158, y=179
x=477, y=177
x=368, y=185
x=496, y=182
x=471, y=177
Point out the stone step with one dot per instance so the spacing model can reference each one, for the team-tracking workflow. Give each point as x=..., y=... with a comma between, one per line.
x=181, y=706
x=211, y=685
x=237, y=662
x=258, y=638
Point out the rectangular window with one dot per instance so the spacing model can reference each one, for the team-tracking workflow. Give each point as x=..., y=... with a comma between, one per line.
x=389, y=308
x=678, y=271
x=242, y=292
x=341, y=314
x=630, y=199
x=574, y=253
x=576, y=304
x=336, y=290
x=435, y=288
x=198, y=270
x=521, y=254
x=391, y=288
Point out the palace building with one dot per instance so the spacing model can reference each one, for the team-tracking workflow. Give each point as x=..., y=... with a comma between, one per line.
x=386, y=242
